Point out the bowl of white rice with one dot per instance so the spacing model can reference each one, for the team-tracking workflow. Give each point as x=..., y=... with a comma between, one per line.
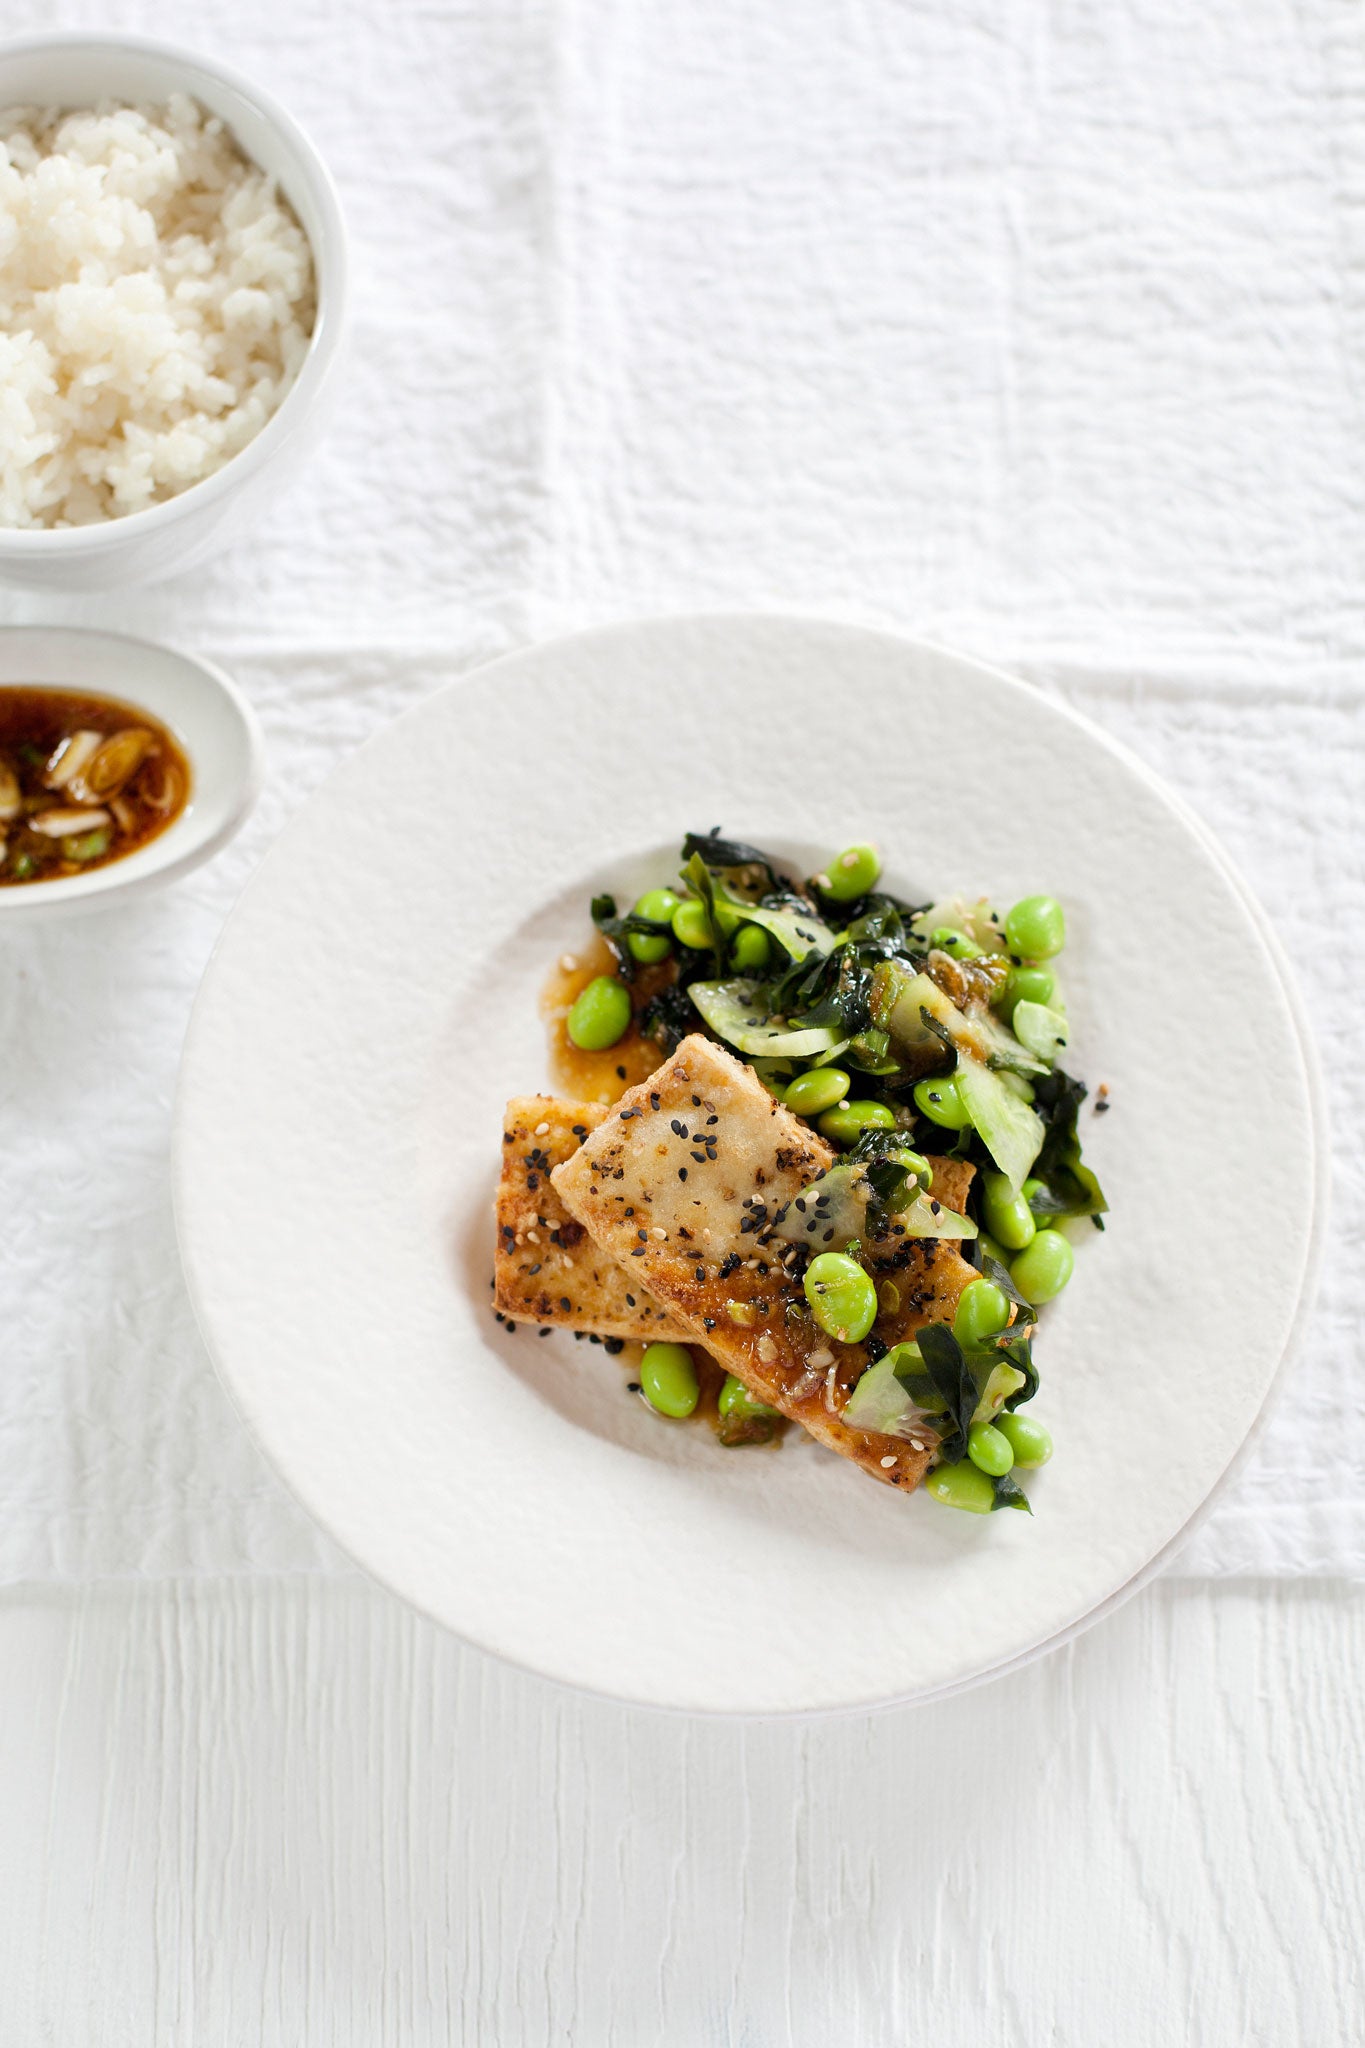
x=172, y=302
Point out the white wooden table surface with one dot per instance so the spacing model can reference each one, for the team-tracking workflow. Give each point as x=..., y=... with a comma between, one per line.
x=291, y=1813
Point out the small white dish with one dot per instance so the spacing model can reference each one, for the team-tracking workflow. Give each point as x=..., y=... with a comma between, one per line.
x=373, y=1001
x=206, y=712
x=76, y=71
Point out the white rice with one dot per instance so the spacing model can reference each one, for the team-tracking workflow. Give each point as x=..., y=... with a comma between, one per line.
x=156, y=300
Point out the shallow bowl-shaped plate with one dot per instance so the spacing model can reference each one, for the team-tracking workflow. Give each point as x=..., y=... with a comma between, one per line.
x=216, y=727
x=373, y=1002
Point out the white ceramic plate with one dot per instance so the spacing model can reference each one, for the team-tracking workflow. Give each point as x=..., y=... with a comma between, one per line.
x=373, y=1002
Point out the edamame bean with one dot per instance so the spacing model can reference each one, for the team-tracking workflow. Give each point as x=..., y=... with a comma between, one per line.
x=941, y=1103
x=949, y=940
x=1044, y=1267
x=600, y=1015
x=989, y=1450
x=851, y=874
x=1008, y=1216
x=750, y=949
x=842, y=1126
x=1030, y=1442
x=668, y=1379
x=648, y=947
x=691, y=925
x=961, y=1486
x=735, y=1399
x=1026, y=985
x=658, y=905
x=816, y=1090
x=991, y=1248
x=842, y=1297
x=1036, y=928
x=982, y=1310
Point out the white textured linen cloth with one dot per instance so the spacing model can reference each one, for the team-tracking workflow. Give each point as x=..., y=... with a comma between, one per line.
x=1034, y=331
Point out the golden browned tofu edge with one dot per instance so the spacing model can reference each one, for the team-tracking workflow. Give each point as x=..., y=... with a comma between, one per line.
x=547, y=1269
x=679, y=1177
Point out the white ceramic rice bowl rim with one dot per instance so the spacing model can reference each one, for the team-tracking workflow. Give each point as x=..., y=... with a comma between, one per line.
x=19, y=545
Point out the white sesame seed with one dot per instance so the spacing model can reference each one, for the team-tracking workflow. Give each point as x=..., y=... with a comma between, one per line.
x=887, y=1463
x=848, y=860
x=767, y=1350
x=542, y=1130
x=706, y=1235
x=533, y=1237
x=567, y=963
x=659, y=1232
x=821, y=1358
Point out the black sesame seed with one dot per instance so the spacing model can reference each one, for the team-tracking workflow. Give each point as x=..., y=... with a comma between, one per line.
x=543, y=1333
x=613, y=1345
x=565, y=1303
x=682, y=1173
x=620, y=1073
x=630, y=1301
x=633, y=1387
x=533, y=1269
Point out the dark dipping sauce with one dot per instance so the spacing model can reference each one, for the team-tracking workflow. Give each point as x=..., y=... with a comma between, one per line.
x=84, y=781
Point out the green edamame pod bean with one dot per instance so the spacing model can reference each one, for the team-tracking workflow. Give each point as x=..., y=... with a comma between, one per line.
x=982, y=1310
x=648, y=947
x=1026, y=985
x=949, y=940
x=1030, y=1442
x=842, y=1298
x=600, y=1015
x=817, y=1090
x=962, y=1486
x=1043, y=1268
x=668, y=1379
x=750, y=949
x=989, y=1449
x=941, y=1103
x=735, y=1399
x=851, y=874
x=1035, y=928
x=658, y=905
x=843, y=1125
x=1008, y=1216
x=991, y=1248
x=691, y=925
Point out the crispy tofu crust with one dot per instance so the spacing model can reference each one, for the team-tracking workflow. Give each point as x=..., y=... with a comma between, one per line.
x=546, y=1267
x=679, y=1179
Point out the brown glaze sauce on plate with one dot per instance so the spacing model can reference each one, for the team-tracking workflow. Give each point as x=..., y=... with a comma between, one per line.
x=84, y=780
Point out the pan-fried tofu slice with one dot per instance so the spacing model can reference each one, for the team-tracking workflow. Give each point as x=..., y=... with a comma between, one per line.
x=681, y=1179
x=546, y=1268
